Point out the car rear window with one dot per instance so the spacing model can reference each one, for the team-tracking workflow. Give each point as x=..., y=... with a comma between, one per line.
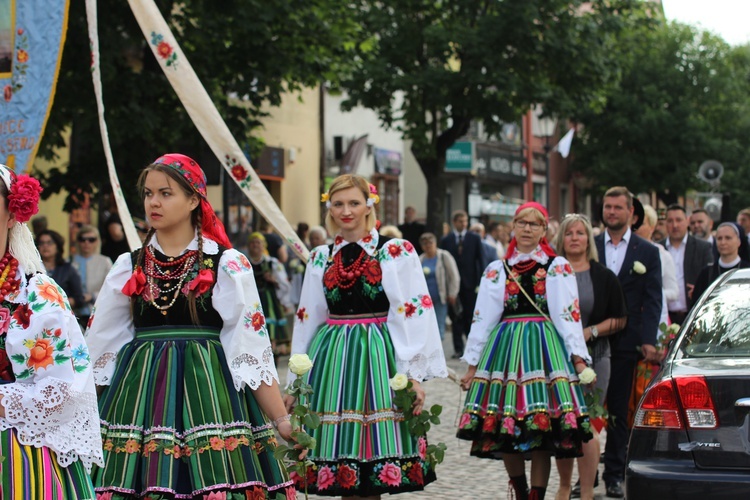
x=721, y=327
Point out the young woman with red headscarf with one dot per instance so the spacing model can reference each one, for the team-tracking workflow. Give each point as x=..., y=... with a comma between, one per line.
x=181, y=345
x=524, y=351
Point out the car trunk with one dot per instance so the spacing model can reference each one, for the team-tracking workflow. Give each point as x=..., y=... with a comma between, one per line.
x=728, y=379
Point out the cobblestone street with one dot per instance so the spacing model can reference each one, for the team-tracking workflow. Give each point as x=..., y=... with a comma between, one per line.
x=461, y=476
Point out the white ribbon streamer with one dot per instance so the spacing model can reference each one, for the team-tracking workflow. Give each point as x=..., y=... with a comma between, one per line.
x=122, y=206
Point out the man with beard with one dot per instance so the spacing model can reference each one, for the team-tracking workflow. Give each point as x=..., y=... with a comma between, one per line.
x=636, y=263
x=701, y=225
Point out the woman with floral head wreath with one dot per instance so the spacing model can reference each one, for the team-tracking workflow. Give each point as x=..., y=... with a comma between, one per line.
x=49, y=430
x=365, y=315
x=525, y=351
x=182, y=352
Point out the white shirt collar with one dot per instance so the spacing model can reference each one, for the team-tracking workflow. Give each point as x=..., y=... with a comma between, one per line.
x=537, y=255
x=682, y=245
x=369, y=243
x=625, y=237
x=731, y=264
x=209, y=246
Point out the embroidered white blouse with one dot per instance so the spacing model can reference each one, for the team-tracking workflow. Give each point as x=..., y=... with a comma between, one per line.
x=562, y=302
x=235, y=297
x=52, y=402
x=411, y=317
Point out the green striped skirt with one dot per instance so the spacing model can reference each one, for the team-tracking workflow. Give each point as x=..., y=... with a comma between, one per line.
x=525, y=394
x=173, y=425
x=364, y=447
x=30, y=473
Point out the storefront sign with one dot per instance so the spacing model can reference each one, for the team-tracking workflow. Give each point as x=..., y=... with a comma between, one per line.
x=459, y=157
x=500, y=164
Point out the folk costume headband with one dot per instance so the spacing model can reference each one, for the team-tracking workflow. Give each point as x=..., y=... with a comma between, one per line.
x=543, y=243
x=211, y=226
x=23, y=203
x=372, y=197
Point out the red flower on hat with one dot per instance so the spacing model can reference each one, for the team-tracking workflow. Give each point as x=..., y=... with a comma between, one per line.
x=23, y=199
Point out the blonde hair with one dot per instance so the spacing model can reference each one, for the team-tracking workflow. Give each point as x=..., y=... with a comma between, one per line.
x=650, y=215
x=347, y=181
x=391, y=231
x=569, y=220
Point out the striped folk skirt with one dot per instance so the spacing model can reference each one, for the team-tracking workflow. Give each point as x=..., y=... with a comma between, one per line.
x=364, y=446
x=173, y=425
x=30, y=473
x=525, y=395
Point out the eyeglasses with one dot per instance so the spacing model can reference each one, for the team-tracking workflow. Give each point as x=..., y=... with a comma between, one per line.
x=87, y=239
x=532, y=225
x=44, y=243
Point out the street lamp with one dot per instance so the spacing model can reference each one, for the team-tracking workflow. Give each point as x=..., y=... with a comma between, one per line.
x=544, y=126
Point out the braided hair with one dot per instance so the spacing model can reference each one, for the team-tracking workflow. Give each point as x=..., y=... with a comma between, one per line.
x=196, y=218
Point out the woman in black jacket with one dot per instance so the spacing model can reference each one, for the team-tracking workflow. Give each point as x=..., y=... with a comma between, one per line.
x=51, y=244
x=603, y=313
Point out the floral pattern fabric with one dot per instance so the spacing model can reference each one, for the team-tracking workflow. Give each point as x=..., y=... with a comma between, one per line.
x=44, y=358
x=557, y=287
x=244, y=335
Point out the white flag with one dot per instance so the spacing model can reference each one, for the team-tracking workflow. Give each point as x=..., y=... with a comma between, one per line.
x=563, y=147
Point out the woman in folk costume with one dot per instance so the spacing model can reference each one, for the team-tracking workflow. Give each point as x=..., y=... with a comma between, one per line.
x=273, y=288
x=365, y=315
x=49, y=423
x=524, y=351
x=180, y=340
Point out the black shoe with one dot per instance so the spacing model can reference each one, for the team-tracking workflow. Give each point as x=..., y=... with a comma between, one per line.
x=457, y=355
x=614, y=490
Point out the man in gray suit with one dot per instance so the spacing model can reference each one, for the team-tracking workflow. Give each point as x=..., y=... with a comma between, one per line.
x=690, y=256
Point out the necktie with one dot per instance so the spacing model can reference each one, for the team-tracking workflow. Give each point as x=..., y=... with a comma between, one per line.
x=460, y=243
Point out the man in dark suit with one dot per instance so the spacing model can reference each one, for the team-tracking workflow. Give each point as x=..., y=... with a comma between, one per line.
x=466, y=249
x=690, y=256
x=411, y=229
x=636, y=263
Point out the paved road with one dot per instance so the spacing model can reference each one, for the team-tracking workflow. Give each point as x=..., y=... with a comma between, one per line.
x=461, y=476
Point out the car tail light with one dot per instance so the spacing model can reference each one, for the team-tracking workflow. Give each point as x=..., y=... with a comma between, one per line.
x=660, y=407
x=697, y=402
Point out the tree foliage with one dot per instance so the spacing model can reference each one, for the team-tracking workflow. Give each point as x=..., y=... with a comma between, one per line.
x=451, y=62
x=682, y=99
x=247, y=53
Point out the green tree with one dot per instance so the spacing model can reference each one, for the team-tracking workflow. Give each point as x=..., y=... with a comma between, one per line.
x=247, y=53
x=682, y=99
x=461, y=60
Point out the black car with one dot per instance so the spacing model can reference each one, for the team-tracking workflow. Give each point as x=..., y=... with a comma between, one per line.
x=691, y=435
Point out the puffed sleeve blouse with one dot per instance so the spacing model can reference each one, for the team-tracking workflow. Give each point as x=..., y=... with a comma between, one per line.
x=562, y=301
x=51, y=399
x=411, y=319
x=243, y=335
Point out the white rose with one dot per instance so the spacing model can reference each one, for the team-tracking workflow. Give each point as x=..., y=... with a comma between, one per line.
x=426, y=270
x=638, y=267
x=399, y=382
x=587, y=376
x=299, y=364
x=673, y=329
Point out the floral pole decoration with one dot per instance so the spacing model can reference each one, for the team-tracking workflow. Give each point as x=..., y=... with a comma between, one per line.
x=299, y=364
x=419, y=424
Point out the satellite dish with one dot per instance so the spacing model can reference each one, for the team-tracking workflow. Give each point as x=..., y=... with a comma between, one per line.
x=711, y=171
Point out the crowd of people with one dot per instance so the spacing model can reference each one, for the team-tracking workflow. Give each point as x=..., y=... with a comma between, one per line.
x=182, y=336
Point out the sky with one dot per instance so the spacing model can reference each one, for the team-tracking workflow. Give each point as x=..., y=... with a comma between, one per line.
x=727, y=18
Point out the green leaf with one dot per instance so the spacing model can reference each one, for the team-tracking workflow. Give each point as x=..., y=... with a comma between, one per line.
x=280, y=452
x=315, y=419
x=19, y=358
x=436, y=410
x=299, y=410
x=28, y=372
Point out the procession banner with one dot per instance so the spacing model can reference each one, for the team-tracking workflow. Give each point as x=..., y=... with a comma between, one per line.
x=32, y=35
x=207, y=119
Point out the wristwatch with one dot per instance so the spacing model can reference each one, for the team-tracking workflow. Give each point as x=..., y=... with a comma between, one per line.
x=594, y=331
